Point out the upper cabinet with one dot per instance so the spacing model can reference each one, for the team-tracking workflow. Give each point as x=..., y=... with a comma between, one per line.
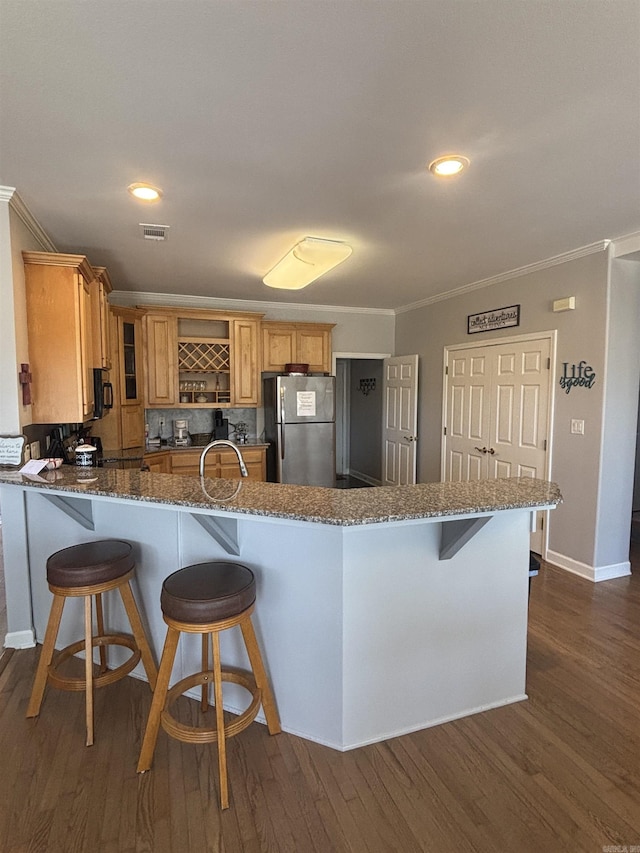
x=201, y=358
x=123, y=425
x=99, y=290
x=296, y=343
x=60, y=330
x=245, y=362
x=160, y=359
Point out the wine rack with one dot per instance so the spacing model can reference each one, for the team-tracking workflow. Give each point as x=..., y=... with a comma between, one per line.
x=210, y=356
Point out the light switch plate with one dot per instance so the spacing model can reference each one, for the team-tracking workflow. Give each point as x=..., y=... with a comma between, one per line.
x=577, y=427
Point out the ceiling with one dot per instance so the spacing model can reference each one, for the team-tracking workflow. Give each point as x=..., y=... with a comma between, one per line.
x=267, y=121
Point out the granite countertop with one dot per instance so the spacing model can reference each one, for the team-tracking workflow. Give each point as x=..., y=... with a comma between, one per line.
x=342, y=507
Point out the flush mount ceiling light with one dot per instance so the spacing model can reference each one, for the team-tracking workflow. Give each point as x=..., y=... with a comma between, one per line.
x=446, y=167
x=306, y=261
x=145, y=192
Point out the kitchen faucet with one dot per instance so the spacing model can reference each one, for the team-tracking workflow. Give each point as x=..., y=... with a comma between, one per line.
x=223, y=442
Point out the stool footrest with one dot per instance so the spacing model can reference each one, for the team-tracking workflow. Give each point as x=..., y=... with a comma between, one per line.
x=202, y=734
x=68, y=682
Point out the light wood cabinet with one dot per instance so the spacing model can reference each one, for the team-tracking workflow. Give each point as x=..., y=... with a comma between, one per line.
x=158, y=463
x=287, y=343
x=246, y=362
x=160, y=359
x=122, y=427
x=99, y=290
x=221, y=463
x=200, y=359
x=61, y=353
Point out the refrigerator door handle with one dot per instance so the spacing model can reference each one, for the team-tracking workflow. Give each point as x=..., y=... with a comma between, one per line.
x=282, y=417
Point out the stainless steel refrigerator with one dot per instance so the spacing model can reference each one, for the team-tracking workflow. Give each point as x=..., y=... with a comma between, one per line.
x=300, y=415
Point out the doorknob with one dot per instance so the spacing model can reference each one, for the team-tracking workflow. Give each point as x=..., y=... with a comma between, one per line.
x=483, y=450
x=410, y=437
x=491, y=451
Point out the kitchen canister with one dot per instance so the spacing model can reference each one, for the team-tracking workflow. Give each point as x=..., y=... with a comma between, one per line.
x=86, y=455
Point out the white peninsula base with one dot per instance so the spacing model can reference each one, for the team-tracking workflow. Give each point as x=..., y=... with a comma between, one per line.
x=366, y=632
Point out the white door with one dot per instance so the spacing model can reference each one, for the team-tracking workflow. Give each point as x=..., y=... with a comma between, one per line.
x=497, y=413
x=400, y=425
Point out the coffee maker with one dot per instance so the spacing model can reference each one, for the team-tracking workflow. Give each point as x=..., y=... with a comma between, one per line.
x=181, y=437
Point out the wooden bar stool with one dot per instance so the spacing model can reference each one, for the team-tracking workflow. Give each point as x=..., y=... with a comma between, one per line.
x=206, y=599
x=88, y=570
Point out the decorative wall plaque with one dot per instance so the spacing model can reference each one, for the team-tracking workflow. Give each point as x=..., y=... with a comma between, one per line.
x=11, y=450
x=498, y=318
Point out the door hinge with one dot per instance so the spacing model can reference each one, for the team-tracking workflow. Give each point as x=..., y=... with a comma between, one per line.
x=544, y=444
x=445, y=431
x=542, y=522
x=446, y=370
x=548, y=364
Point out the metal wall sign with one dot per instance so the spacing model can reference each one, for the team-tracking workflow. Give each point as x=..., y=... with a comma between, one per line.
x=580, y=375
x=497, y=318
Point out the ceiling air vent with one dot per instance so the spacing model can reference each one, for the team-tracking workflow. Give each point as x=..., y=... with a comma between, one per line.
x=154, y=232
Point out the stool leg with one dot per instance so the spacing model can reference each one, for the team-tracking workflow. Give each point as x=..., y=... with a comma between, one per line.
x=159, y=697
x=222, y=744
x=46, y=654
x=100, y=623
x=88, y=667
x=138, y=633
x=204, y=702
x=253, y=650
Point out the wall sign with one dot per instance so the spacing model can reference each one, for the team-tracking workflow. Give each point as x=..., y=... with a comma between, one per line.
x=577, y=375
x=498, y=318
x=11, y=447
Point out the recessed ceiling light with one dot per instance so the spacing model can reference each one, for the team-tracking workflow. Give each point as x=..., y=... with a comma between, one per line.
x=451, y=164
x=145, y=192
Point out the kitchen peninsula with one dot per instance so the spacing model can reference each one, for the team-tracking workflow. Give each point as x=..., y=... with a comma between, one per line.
x=380, y=611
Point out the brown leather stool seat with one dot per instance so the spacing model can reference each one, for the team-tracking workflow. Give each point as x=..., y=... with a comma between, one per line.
x=90, y=563
x=208, y=592
x=88, y=570
x=205, y=599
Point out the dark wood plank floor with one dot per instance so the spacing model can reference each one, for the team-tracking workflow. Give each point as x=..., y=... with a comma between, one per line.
x=559, y=772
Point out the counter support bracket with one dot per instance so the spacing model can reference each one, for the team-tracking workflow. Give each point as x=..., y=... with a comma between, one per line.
x=79, y=509
x=225, y=532
x=456, y=533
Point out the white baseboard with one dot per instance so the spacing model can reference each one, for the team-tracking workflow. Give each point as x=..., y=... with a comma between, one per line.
x=590, y=573
x=19, y=640
x=364, y=477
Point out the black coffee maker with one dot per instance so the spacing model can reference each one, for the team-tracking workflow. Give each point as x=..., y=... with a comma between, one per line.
x=220, y=425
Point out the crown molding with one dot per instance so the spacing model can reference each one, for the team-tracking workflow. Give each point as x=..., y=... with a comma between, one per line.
x=591, y=249
x=626, y=246
x=177, y=300
x=12, y=197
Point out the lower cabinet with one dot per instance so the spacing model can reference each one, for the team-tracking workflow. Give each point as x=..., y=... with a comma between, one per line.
x=159, y=463
x=220, y=463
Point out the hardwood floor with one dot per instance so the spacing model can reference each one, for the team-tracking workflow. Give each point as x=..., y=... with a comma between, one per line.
x=559, y=772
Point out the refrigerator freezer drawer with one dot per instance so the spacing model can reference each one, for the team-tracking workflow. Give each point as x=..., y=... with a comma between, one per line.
x=309, y=455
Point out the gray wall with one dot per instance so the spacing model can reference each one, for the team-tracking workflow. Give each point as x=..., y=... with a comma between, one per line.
x=581, y=335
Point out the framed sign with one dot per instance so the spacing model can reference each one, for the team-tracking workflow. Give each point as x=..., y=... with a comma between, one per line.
x=11, y=449
x=498, y=318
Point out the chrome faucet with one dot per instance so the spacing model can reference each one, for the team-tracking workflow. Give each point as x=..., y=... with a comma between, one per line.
x=223, y=442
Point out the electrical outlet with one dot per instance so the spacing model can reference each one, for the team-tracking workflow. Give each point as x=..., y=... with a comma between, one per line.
x=161, y=425
x=35, y=450
x=27, y=451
